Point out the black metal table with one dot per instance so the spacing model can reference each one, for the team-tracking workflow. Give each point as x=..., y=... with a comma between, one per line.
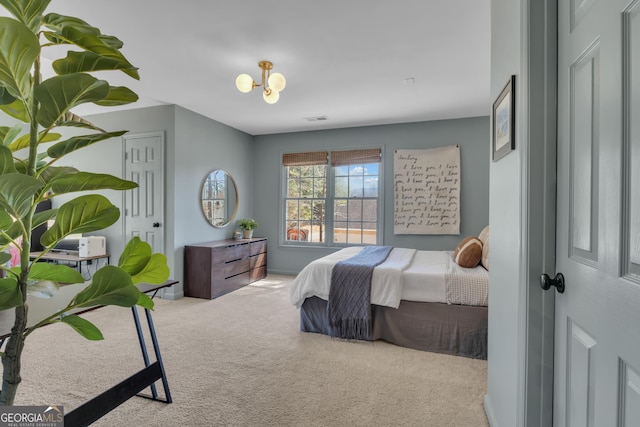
x=100, y=405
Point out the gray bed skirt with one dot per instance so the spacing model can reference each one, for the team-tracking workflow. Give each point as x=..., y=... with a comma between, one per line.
x=459, y=330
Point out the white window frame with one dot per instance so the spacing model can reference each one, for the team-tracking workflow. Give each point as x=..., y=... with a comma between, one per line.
x=329, y=206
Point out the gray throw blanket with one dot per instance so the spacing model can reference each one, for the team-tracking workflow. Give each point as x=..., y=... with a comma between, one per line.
x=349, y=306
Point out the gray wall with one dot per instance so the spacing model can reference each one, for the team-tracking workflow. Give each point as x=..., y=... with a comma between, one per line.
x=107, y=157
x=502, y=402
x=522, y=217
x=194, y=146
x=470, y=133
x=202, y=146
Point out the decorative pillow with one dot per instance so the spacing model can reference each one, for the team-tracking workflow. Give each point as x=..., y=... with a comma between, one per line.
x=484, y=238
x=484, y=235
x=469, y=252
x=485, y=254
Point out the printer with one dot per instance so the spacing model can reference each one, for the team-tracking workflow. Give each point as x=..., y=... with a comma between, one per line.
x=91, y=246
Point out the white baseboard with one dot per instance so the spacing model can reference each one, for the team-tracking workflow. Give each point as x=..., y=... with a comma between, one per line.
x=488, y=409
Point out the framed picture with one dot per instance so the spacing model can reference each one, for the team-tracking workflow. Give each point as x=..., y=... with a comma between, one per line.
x=504, y=119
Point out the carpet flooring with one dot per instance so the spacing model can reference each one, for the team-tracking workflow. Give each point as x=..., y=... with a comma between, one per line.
x=241, y=360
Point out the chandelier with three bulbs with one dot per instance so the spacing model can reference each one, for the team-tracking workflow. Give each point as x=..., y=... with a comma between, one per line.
x=272, y=83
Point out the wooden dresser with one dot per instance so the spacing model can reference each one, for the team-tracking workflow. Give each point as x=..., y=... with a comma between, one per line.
x=215, y=268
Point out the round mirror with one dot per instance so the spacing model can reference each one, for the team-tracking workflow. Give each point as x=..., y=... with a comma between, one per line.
x=219, y=198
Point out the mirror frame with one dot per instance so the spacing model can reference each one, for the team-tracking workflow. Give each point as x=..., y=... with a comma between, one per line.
x=235, y=205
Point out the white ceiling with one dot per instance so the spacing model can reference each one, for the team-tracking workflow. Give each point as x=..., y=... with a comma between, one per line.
x=347, y=60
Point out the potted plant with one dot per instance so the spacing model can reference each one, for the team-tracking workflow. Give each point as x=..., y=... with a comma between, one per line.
x=247, y=225
x=29, y=174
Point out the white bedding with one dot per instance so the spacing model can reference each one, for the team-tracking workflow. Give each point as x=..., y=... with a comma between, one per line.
x=407, y=274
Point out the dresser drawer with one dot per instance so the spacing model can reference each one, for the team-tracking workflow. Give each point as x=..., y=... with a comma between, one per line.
x=230, y=284
x=259, y=260
x=212, y=269
x=258, y=273
x=229, y=269
x=229, y=253
x=258, y=247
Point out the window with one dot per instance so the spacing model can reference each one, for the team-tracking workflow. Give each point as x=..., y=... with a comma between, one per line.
x=332, y=198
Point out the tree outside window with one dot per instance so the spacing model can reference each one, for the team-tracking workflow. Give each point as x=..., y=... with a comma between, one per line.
x=353, y=197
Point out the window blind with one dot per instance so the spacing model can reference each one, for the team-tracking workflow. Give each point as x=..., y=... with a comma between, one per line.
x=305, y=159
x=350, y=157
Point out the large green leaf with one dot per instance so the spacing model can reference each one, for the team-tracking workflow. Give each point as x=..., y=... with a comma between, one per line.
x=77, y=142
x=79, y=62
x=10, y=295
x=59, y=94
x=86, y=181
x=24, y=140
x=73, y=120
x=3, y=132
x=19, y=48
x=6, y=161
x=69, y=30
x=72, y=30
x=118, y=95
x=12, y=233
x=8, y=134
x=40, y=161
x=83, y=327
x=55, y=273
x=80, y=215
x=145, y=301
x=41, y=217
x=28, y=12
x=5, y=220
x=14, y=230
x=144, y=266
x=155, y=271
x=5, y=257
x=17, y=110
x=57, y=22
x=16, y=192
x=110, y=286
x=53, y=172
x=135, y=256
x=5, y=97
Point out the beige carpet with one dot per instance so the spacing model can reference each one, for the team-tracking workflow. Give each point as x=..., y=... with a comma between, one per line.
x=240, y=360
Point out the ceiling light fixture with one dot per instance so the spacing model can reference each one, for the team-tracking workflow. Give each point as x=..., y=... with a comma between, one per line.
x=272, y=84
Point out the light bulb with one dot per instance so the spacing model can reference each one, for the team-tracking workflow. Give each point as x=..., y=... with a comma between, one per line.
x=270, y=96
x=277, y=82
x=244, y=83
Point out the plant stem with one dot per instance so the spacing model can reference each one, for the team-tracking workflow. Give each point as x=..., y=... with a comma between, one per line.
x=11, y=360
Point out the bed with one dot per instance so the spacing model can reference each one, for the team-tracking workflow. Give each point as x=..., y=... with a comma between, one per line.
x=419, y=299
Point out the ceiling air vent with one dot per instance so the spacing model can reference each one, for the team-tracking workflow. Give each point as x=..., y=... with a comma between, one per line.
x=316, y=119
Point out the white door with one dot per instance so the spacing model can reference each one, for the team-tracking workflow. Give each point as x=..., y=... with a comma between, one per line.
x=144, y=206
x=597, y=337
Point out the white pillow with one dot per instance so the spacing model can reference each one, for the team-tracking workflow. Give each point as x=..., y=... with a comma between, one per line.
x=484, y=238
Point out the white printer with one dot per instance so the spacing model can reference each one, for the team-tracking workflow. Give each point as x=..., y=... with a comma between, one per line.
x=91, y=246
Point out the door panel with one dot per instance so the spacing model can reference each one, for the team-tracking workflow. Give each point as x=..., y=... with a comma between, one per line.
x=144, y=206
x=597, y=338
x=630, y=396
x=580, y=376
x=631, y=90
x=579, y=9
x=585, y=90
